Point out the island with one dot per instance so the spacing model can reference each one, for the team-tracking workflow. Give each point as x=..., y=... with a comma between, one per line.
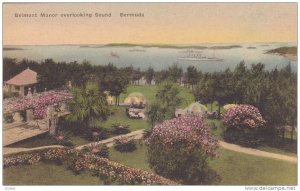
x=288, y=52
x=11, y=49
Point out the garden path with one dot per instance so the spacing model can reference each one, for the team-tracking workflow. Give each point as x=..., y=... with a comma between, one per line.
x=256, y=152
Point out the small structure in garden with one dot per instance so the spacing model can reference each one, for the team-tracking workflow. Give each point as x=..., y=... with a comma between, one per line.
x=23, y=83
x=34, y=115
x=194, y=108
x=136, y=102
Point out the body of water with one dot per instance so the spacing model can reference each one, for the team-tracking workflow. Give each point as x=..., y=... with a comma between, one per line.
x=158, y=58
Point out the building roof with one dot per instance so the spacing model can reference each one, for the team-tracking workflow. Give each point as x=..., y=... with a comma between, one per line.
x=26, y=77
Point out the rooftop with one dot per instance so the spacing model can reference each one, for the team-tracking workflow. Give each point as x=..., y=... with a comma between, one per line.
x=26, y=77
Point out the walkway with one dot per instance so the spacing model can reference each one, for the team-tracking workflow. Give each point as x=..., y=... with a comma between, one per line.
x=139, y=134
x=20, y=131
x=257, y=152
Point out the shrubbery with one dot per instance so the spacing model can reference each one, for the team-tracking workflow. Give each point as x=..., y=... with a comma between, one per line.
x=123, y=144
x=97, y=149
x=63, y=138
x=180, y=148
x=120, y=128
x=97, y=134
x=243, y=124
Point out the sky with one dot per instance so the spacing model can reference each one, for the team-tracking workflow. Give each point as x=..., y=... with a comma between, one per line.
x=163, y=23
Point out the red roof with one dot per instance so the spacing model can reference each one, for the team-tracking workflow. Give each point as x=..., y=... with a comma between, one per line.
x=26, y=77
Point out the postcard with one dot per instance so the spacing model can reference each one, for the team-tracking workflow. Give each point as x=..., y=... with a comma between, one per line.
x=150, y=94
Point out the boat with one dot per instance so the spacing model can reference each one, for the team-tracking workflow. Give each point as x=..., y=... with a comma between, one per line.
x=114, y=55
x=197, y=56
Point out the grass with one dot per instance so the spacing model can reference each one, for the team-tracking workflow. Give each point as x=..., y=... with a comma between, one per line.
x=46, y=174
x=121, y=117
x=233, y=167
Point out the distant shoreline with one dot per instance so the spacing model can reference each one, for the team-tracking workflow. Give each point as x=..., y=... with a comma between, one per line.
x=288, y=52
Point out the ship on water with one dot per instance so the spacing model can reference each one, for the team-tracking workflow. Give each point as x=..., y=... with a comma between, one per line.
x=194, y=55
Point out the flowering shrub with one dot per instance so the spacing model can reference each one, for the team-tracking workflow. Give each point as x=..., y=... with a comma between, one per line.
x=179, y=149
x=123, y=144
x=57, y=155
x=62, y=138
x=38, y=102
x=97, y=149
x=109, y=171
x=112, y=172
x=120, y=129
x=242, y=124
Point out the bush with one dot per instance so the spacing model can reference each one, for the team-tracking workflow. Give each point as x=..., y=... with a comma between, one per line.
x=63, y=138
x=97, y=149
x=97, y=134
x=179, y=149
x=243, y=124
x=120, y=129
x=123, y=144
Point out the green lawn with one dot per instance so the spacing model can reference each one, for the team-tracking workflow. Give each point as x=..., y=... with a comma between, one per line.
x=233, y=167
x=46, y=174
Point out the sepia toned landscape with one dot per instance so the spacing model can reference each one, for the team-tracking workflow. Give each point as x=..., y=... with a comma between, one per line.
x=187, y=94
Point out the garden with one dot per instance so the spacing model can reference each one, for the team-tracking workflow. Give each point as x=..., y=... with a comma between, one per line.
x=172, y=150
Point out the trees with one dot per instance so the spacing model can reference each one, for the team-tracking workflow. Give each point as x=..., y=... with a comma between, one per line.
x=174, y=73
x=88, y=105
x=179, y=149
x=155, y=113
x=168, y=94
x=149, y=75
x=192, y=75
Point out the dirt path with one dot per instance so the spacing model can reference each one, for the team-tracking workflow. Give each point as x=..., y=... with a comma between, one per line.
x=139, y=134
x=257, y=152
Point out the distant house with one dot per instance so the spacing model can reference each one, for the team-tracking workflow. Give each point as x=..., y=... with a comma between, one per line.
x=23, y=82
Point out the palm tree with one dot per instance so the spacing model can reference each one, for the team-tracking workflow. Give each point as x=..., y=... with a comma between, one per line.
x=88, y=105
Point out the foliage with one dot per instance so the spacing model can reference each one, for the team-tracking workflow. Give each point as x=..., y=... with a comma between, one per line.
x=179, y=149
x=123, y=144
x=112, y=172
x=56, y=154
x=62, y=138
x=243, y=124
x=149, y=75
x=10, y=94
x=38, y=102
x=174, y=73
x=155, y=113
x=88, y=104
x=8, y=118
x=97, y=134
x=100, y=150
x=119, y=128
x=168, y=96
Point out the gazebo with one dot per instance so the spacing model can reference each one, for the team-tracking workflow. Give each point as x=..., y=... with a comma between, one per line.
x=23, y=82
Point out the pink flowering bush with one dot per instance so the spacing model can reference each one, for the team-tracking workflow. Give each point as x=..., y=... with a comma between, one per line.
x=243, y=124
x=38, y=102
x=116, y=173
x=180, y=148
